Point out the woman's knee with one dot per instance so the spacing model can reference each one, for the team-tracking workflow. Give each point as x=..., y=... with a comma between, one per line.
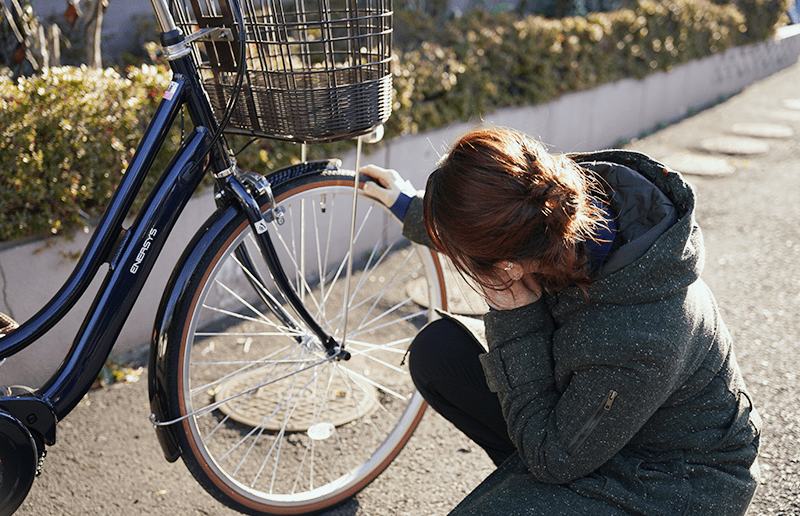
x=437, y=347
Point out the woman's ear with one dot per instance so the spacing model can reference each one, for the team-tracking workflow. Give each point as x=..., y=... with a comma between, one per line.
x=512, y=270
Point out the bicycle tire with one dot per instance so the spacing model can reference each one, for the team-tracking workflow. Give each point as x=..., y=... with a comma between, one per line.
x=274, y=426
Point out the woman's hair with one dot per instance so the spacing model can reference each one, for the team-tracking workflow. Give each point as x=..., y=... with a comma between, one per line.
x=500, y=196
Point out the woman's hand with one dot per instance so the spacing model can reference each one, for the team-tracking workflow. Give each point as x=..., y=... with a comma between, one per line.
x=387, y=184
x=523, y=290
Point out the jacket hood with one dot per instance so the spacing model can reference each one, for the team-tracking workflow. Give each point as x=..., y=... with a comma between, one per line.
x=662, y=250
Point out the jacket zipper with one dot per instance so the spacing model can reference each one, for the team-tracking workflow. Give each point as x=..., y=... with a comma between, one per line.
x=588, y=427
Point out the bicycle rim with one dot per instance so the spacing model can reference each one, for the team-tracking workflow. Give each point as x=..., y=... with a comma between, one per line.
x=278, y=427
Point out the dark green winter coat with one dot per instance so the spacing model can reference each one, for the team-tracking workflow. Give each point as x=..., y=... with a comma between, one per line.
x=633, y=398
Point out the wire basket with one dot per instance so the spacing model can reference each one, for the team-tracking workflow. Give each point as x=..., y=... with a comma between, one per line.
x=317, y=71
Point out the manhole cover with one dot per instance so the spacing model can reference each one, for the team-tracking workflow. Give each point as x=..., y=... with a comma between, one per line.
x=762, y=130
x=346, y=399
x=739, y=145
x=699, y=164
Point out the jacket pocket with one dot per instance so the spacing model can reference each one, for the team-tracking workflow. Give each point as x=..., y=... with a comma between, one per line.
x=591, y=423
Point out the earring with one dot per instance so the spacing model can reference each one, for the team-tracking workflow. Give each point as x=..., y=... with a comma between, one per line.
x=509, y=267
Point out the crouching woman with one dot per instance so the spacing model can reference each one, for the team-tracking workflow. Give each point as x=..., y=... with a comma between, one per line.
x=605, y=382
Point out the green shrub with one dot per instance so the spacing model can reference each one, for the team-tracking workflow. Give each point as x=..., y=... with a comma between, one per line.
x=67, y=134
x=484, y=62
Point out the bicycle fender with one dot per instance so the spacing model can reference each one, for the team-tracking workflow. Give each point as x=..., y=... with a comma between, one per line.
x=158, y=373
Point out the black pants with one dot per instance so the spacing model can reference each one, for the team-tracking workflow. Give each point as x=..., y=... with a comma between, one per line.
x=445, y=368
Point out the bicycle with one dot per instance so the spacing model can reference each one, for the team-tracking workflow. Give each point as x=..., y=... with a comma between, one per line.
x=275, y=370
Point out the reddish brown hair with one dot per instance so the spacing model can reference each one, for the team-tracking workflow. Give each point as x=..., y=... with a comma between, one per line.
x=499, y=196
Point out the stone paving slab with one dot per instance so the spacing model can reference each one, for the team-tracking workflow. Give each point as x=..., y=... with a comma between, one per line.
x=700, y=164
x=735, y=145
x=762, y=130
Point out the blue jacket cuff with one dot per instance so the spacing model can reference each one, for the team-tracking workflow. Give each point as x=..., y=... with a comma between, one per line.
x=400, y=206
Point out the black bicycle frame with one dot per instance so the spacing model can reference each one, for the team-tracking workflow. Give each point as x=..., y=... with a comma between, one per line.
x=129, y=253
x=132, y=253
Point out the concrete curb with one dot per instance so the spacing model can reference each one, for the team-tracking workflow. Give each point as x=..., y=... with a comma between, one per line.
x=31, y=272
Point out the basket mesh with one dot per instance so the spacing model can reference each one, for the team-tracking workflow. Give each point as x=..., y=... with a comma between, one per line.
x=317, y=70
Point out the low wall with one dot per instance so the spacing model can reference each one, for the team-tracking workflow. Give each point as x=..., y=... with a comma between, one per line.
x=31, y=272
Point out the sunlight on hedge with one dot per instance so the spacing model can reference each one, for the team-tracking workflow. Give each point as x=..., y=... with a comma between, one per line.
x=68, y=135
x=484, y=62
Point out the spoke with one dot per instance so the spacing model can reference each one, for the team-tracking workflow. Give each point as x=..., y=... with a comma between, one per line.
x=241, y=300
x=289, y=332
x=379, y=386
x=299, y=469
x=301, y=285
x=380, y=361
x=247, y=304
x=366, y=274
x=322, y=264
x=348, y=261
x=278, y=440
x=225, y=419
x=235, y=362
x=391, y=347
x=389, y=285
x=314, y=378
x=243, y=370
x=344, y=374
x=344, y=261
x=216, y=405
x=394, y=322
x=279, y=406
x=261, y=286
x=380, y=293
x=327, y=406
x=239, y=334
x=368, y=326
x=239, y=316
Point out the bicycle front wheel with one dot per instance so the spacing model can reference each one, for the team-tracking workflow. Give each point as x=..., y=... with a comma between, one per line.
x=271, y=424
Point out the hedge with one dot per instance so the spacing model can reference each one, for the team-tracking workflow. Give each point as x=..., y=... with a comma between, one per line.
x=68, y=133
x=67, y=136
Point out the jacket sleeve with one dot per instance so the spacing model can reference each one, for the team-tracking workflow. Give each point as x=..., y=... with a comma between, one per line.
x=564, y=432
x=414, y=225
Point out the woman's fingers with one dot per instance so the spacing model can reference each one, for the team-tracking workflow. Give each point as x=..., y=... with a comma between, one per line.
x=383, y=176
x=518, y=294
x=377, y=191
x=387, y=186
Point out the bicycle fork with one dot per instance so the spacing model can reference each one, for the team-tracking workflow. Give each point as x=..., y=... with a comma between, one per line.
x=244, y=188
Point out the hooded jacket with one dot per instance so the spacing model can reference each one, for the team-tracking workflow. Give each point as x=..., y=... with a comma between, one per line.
x=633, y=397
